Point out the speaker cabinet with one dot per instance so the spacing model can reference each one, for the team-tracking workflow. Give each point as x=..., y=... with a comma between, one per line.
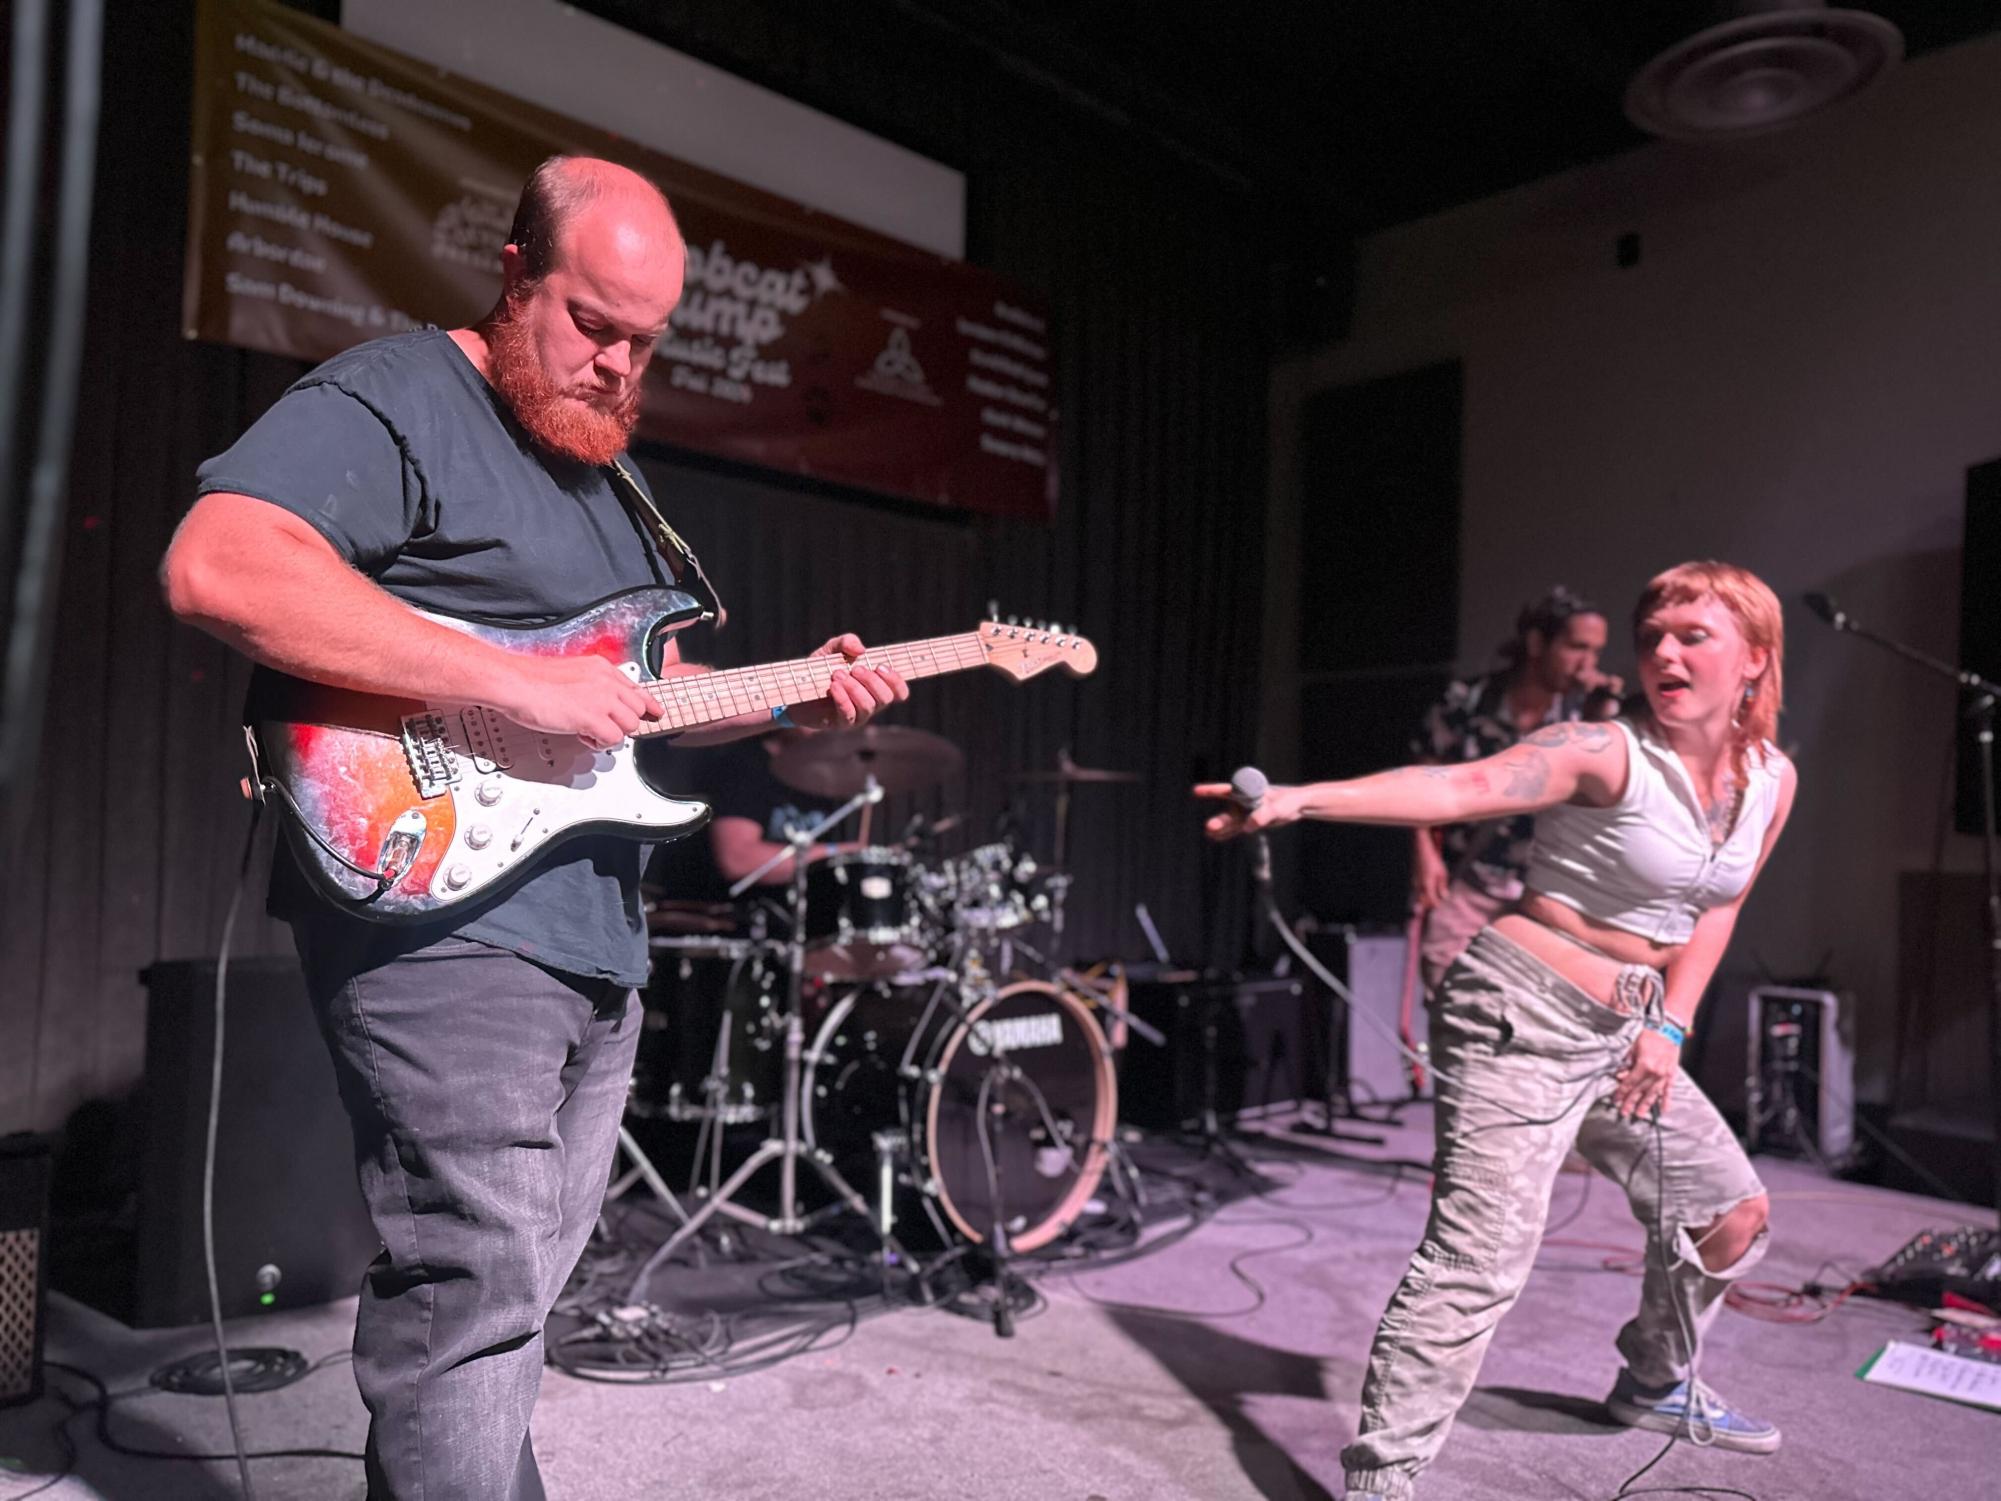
x=290, y=1229
x=24, y=1265
x=1370, y=962
x=1243, y=1045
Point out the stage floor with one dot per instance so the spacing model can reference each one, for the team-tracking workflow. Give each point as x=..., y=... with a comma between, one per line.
x=1225, y=1366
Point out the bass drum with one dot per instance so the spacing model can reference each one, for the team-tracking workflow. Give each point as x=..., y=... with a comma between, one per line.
x=903, y=1061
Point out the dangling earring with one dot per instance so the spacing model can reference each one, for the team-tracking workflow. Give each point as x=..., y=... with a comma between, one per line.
x=1750, y=692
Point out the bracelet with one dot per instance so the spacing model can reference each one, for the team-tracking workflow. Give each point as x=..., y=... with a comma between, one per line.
x=781, y=716
x=1669, y=1028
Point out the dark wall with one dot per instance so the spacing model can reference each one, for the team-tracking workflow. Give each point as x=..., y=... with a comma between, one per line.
x=1156, y=278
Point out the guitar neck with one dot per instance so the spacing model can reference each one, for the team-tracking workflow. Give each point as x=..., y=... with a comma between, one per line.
x=697, y=699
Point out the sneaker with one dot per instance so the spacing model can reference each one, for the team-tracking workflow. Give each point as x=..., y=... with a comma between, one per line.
x=1706, y=1420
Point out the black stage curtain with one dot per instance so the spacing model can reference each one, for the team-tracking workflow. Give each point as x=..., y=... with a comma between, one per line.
x=1156, y=278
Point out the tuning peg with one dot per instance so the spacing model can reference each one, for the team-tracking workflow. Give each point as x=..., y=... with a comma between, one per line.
x=993, y=609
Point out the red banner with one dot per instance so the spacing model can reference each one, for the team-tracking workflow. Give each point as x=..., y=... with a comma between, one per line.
x=341, y=191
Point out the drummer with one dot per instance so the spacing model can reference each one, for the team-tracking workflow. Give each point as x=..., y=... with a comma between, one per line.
x=753, y=819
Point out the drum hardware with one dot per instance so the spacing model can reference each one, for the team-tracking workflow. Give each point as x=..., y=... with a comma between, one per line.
x=1067, y=775
x=711, y=1055
x=1004, y=1098
x=786, y=1147
x=639, y=1169
x=1103, y=987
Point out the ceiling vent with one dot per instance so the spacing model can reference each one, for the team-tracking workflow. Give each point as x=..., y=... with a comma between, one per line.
x=1753, y=66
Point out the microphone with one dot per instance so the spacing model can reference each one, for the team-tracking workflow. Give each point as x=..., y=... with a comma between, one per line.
x=1247, y=790
x=1824, y=606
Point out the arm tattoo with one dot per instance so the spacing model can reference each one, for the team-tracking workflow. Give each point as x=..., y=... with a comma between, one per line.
x=1528, y=774
x=1588, y=737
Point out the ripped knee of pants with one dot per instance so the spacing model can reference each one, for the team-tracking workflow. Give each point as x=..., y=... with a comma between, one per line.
x=1690, y=1242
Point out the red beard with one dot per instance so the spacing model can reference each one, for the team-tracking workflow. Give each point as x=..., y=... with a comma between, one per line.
x=578, y=427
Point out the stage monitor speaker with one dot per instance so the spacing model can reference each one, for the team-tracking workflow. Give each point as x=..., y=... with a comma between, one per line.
x=290, y=1229
x=24, y=1264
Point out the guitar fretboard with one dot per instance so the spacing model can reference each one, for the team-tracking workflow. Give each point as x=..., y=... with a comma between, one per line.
x=704, y=698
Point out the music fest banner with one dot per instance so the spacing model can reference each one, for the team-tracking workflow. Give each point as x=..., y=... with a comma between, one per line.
x=340, y=191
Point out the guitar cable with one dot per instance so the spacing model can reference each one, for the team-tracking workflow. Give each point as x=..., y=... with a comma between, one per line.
x=263, y=787
x=208, y=1148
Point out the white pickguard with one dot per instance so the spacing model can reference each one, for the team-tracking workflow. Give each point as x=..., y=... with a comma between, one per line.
x=514, y=790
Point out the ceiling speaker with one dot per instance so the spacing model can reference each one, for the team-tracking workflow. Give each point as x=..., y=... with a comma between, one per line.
x=1753, y=66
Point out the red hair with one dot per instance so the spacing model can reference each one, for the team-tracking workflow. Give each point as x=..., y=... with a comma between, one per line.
x=1755, y=608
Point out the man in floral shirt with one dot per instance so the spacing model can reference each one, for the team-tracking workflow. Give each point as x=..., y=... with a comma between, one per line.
x=1465, y=875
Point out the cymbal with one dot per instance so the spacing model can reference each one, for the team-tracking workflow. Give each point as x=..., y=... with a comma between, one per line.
x=1068, y=771
x=838, y=763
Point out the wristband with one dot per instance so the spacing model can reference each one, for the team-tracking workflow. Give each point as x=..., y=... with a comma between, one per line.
x=1669, y=1028
x=781, y=716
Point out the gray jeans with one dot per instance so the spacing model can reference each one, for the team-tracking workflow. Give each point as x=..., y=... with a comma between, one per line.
x=1515, y=1039
x=485, y=1094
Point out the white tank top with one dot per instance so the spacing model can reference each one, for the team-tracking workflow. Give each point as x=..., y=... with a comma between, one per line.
x=1646, y=864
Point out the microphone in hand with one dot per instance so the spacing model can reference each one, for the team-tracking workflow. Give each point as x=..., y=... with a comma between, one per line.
x=1247, y=790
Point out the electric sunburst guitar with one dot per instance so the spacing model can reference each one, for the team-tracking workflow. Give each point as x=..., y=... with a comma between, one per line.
x=400, y=809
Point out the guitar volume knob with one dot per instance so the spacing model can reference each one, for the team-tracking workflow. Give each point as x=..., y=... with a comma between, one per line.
x=488, y=792
x=458, y=876
x=478, y=837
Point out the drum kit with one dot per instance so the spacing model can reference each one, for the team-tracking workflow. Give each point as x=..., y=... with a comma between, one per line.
x=868, y=1022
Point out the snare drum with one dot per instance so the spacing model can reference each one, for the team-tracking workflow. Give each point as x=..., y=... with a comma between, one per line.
x=712, y=1046
x=862, y=915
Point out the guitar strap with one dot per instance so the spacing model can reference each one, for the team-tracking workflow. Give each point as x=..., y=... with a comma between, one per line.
x=679, y=555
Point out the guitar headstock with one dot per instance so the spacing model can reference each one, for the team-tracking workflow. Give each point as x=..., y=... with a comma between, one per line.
x=1023, y=649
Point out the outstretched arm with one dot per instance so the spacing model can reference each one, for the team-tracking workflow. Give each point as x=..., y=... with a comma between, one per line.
x=1556, y=764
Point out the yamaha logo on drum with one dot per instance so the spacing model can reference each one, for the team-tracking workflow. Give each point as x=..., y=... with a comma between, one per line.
x=1016, y=1034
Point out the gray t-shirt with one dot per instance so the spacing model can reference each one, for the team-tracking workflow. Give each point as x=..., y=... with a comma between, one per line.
x=402, y=456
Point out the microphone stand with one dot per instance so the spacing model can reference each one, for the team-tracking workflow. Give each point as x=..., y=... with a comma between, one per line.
x=1979, y=696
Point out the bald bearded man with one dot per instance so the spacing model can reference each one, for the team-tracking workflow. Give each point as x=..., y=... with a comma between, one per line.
x=482, y=1059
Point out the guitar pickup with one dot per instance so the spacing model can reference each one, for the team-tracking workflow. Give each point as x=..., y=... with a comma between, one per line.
x=433, y=766
x=486, y=738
